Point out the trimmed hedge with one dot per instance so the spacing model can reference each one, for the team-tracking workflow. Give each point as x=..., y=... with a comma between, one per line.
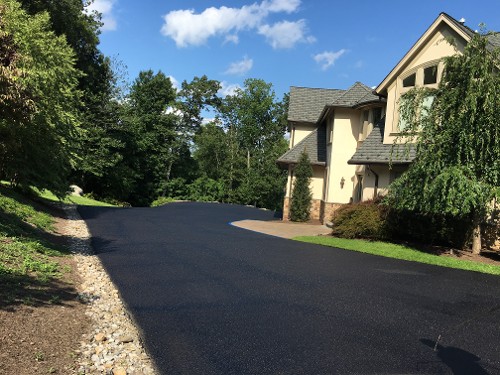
x=376, y=221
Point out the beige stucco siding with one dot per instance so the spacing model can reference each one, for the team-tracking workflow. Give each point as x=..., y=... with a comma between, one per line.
x=316, y=185
x=345, y=135
x=299, y=131
x=317, y=182
x=430, y=53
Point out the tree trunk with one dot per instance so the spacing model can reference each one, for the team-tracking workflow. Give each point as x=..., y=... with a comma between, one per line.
x=476, y=239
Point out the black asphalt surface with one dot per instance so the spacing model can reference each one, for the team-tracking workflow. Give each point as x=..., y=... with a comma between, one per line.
x=212, y=298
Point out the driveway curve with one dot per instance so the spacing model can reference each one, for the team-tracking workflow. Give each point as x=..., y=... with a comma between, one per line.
x=212, y=298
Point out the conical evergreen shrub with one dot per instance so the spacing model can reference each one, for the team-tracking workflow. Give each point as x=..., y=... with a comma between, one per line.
x=301, y=195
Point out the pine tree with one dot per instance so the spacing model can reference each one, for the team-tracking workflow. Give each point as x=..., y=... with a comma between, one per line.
x=301, y=195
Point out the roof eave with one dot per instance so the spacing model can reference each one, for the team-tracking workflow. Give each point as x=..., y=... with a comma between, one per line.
x=372, y=162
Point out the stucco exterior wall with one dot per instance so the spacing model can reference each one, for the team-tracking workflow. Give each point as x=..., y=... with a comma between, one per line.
x=434, y=50
x=346, y=127
x=299, y=131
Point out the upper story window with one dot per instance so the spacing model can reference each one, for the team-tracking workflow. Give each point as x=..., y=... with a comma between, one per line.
x=410, y=80
x=430, y=75
x=427, y=75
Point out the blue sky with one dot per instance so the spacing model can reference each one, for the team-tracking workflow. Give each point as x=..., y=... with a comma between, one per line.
x=312, y=43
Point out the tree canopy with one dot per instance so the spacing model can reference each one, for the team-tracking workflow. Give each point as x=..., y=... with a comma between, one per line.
x=457, y=167
x=40, y=79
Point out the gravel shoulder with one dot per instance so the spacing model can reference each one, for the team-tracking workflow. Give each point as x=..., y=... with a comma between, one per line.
x=82, y=327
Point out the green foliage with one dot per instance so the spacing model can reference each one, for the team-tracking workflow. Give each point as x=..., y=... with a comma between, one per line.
x=177, y=188
x=458, y=139
x=205, y=189
x=377, y=221
x=36, y=146
x=27, y=259
x=161, y=201
x=360, y=220
x=300, y=206
x=252, y=131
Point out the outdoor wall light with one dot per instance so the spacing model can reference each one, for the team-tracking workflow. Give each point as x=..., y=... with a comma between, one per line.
x=342, y=182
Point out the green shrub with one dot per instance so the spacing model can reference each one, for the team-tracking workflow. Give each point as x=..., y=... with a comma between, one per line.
x=176, y=188
x=162, y=201
x=300, y=205
x=430, y=229
x=205, y=189
x=361, y=220
x=376, y=221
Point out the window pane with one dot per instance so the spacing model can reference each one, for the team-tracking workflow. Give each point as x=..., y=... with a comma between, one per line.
x=410, y=80
x=377, y=115
x=426, y=104
x=430, y=75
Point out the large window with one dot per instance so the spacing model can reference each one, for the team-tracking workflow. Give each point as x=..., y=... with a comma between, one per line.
x=423, y=76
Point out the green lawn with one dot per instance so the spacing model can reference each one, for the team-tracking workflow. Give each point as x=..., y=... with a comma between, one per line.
x=29, y=259
x=71, y=199
x=391, y=250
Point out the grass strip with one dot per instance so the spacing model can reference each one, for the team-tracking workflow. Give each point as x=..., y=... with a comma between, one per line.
x=397, y=251
x=72, y=199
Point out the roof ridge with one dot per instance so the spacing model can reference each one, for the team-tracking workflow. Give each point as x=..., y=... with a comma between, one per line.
x=350, y=89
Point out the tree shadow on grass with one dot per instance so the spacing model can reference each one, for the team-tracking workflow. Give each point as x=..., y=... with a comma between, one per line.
x=18, y=289
x=459, y=361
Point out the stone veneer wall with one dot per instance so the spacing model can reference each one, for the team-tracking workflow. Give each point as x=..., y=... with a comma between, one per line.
x=320, y=210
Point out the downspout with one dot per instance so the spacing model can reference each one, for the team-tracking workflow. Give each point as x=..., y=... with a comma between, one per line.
x=375, y=189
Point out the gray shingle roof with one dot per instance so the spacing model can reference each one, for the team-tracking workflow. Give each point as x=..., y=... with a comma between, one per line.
x=315, y=146
x=357, y=94
x=306, y=104
x=374, y=151
x=493, y=37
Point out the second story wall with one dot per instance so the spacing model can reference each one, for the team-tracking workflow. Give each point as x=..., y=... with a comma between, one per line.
x=298, y=131
x=424, y=68
x=346, y=130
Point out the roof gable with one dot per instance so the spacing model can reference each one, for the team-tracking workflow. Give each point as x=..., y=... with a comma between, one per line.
x=463, y=32
x=353, y=95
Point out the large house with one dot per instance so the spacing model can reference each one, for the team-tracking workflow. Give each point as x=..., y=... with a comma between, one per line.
x=349, y=134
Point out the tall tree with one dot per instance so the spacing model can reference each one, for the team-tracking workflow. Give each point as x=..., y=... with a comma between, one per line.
x=37, y=146
x=154, y=132
x=253, y=120
x=457, y=168
x=194, y=97
x=100, y=140
x=300, y=206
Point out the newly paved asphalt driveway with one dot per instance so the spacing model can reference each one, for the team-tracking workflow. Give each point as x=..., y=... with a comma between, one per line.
x=215, y=299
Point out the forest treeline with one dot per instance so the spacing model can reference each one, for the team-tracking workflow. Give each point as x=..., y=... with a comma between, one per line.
x=69, y=116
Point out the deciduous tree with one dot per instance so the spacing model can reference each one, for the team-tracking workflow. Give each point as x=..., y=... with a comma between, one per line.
x=457, y=168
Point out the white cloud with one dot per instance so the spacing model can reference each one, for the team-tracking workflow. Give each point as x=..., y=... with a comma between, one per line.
x=286, y=34
x=328, y=58
x=188, y=28
x=240, y=67
x=105, y=8
x=232, y=38
x=228, y=89
x=175, y=83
